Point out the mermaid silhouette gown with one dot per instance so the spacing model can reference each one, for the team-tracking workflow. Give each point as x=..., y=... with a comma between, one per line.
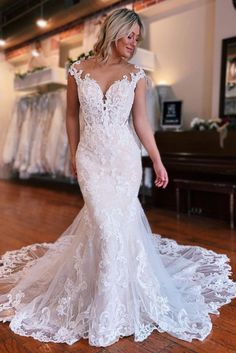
x=108, y=276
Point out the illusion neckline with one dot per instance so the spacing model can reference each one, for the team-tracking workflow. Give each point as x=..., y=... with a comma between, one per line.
x=106, y=92
x=87, y=75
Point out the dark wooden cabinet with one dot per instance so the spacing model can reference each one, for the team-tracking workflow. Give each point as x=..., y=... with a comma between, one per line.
x=195, y=155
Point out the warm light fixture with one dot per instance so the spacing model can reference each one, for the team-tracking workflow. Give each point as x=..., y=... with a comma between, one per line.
x=42, y=23
x=2, y=42
x=35, y=53
x=162, y=83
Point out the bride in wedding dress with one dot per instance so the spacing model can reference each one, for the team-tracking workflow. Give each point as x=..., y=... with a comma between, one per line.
x=108, y=276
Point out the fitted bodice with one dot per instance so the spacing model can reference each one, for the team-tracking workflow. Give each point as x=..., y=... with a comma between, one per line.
x=109, y=109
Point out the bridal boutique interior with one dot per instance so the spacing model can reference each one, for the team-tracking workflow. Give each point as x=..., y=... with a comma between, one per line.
x=188, y=54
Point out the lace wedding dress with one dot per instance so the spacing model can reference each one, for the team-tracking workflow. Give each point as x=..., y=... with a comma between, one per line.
x=107, y=276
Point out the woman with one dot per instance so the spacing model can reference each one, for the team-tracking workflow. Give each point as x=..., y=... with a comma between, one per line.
x=108, y=276
x=109, y=65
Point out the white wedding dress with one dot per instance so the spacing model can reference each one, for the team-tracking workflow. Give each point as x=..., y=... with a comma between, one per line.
x=107, y=276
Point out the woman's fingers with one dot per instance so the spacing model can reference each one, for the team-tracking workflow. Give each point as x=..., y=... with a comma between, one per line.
x=161, y=175
x=161, y=181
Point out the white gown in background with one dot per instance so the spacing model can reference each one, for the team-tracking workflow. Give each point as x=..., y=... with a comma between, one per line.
x=36, y=156
x=107, y=276
x=36, y=141
x=14, y=130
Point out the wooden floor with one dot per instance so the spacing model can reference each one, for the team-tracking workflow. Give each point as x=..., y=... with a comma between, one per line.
x=30, y=212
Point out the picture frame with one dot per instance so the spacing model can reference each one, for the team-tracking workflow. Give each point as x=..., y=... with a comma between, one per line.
x=171, y=116
x=227, y=99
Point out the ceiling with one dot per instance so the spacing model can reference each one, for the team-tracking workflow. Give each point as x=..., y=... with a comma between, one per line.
x=5, y=2
x=18, y=17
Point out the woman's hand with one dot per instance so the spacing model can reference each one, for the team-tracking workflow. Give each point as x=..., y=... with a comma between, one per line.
x=161, y=174
x=73, y=167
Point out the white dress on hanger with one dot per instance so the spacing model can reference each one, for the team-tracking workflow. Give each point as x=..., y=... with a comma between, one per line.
x=22, y=158
x=36, y=156
x=58, y=119
x=14, y=130
x=108, y=275
x=62, y=140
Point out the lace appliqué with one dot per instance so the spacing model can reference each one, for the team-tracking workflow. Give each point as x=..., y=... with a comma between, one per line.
x=108, y=276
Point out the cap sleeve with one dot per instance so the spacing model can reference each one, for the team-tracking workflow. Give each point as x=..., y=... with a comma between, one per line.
x=140, y=73
x=74, y=70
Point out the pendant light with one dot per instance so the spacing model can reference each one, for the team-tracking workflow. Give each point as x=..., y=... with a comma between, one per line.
x=2, y=41
x=41, y=22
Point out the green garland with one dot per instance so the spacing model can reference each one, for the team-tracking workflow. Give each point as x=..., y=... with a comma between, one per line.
x=22, y=76
x=70, y=61
x=82, y=56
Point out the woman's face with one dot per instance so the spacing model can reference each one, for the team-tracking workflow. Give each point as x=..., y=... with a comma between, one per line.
x=126, y=45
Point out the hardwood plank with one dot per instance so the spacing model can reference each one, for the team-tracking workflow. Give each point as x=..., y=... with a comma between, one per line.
x=32, y=212
x=172, y=348
x=11, y=345
x=153, y=344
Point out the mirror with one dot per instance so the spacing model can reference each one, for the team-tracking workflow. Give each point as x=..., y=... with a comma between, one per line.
x=228, y=79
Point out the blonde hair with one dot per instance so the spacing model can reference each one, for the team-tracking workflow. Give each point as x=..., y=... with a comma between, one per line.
x=117, y=25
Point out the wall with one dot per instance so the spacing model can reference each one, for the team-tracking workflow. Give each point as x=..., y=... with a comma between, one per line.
x=181, y=34
x=7, y=96
x=225, y=27
x=186, y=37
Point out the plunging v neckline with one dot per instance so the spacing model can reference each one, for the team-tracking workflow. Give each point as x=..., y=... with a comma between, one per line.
x=105, y=93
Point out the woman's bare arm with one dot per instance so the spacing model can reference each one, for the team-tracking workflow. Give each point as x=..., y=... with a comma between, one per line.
x=72, y=118
x=145, y=133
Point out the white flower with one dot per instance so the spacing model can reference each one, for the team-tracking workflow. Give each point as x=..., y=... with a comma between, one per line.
x=196, y=121
x=213, y=125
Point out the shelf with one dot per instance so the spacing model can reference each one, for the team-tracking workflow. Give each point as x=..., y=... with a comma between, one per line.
x=43, y=80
